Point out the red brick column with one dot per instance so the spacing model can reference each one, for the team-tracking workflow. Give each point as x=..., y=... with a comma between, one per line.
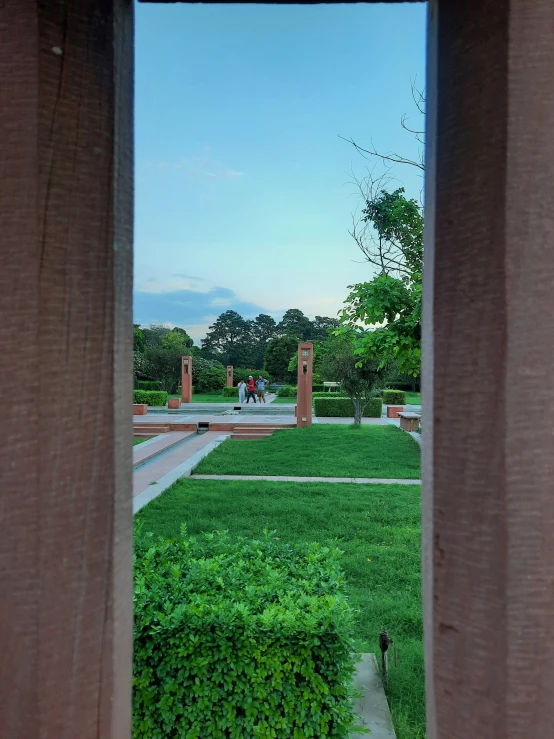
x=186, y=380
x=305, y=373
x=229, y=375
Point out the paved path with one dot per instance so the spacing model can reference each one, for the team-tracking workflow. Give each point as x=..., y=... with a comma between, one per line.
x=147, y=449
x=287, y=478
x=153, y=471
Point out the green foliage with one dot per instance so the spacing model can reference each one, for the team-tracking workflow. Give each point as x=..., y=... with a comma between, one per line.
x=241, y=373
x=390, y=305
x=394, y=397
x=287, y=391
x=344, y=408
x=155, y=398
x=278, y=355
x=326, y=394
x=208, y=375
x=230, y=392
x=138, y=338
x=148, y=385
x=229, y=339
x=235, y=638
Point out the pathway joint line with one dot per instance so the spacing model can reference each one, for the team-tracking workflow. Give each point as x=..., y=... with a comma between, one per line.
x=290, y=478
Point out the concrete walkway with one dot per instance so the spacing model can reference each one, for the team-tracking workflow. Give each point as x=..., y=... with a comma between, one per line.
x=147, y=449
x=372, y=707
x=285, y=478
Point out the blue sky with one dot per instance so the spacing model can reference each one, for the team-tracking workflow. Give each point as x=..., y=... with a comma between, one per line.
x=243, y=186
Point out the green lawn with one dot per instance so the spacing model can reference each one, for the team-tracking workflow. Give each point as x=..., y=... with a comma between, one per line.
x=413, y=398
x=290, y=401
x=139, y=439
x=210, y=398
x=320, y=451
x=378, y=528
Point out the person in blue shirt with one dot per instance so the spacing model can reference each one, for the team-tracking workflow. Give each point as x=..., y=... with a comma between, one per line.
x=261, y=383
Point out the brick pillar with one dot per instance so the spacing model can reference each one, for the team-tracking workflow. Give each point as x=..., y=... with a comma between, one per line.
x=489, y=332
x=229, y=375
x=186, y=380
x=305, y=373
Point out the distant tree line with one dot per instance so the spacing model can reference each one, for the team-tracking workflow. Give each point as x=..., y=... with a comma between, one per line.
x=261, y=343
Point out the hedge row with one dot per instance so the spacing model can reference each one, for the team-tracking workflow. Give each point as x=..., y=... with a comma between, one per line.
x=394, y=397
x=237, y=639
x=287, y=391
x=329, y=395
x=150, y=397
x=344, y=408
x=148, y=385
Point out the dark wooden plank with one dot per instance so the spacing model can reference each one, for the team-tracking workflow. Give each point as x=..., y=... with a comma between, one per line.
x=65, y=292
x=489, y=491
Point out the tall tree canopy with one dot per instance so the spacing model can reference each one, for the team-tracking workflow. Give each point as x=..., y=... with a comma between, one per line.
x=390, y=304
x=229, y=339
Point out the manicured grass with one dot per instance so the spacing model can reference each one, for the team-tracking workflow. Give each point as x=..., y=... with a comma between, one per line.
x=139, y=439
x=320, y=451
x=413, y=398
x=210, y=398
x=378, y=528
x=289, y=401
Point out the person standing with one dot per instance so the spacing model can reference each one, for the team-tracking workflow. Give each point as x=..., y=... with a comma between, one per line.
x=261, y=383
x=251, y=389
x=242, y=391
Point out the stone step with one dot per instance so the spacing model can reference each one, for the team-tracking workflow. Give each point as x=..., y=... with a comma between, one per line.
x=259, y=434
x=150, y=429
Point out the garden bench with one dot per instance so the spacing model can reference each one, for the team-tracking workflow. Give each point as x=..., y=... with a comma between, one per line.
x=329, y=385
x=409, y=421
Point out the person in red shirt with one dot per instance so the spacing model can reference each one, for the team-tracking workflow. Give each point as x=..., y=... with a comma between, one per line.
x=251, y=389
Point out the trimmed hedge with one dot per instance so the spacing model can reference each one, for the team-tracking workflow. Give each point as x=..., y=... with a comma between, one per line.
x=344, y=408
x=235, y=638
x=326, y=394
x=150, y=397
x=148, y=385
x=394, y=397
x=287, y=391
x=230, y=392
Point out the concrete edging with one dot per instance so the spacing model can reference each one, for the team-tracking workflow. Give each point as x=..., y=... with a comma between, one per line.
x=182, y=470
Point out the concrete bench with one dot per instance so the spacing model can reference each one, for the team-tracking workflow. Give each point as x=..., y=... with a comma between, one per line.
x=409, y=421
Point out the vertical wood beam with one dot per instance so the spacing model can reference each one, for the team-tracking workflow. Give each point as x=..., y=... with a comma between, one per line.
x=489, y=321
x=66, y=219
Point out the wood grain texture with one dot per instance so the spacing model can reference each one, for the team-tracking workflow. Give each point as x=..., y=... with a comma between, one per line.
x=65, y=301
x=489, y=492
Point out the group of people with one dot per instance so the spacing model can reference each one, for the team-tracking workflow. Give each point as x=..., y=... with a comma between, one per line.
x=253, y=388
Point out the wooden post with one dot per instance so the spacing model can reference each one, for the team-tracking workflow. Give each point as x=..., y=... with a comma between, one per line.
x=304, y=394
x=229, y=375
x=66, y=218
x=186, y=380
x=488, y=348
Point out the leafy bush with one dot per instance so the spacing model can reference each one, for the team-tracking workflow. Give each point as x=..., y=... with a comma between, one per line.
x=287, y=391
x=394, y=397
x=326, y=394
x=150, y=397
x=148, y=385
x=230, y=392
x=209, y=379
x=322, y=389
x=236, y=638
x=344, y=408
x=240, y=373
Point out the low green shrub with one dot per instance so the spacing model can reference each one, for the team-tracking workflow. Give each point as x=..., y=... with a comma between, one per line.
x=150, y=397
x=148, y=385
x=344, y=408
x=327, y=394
x=321, y=388
x=394, y=397
x=235, y=638
x=230, y=392
x=287, y=391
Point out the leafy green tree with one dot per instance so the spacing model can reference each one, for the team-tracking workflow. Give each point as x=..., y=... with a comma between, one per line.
x=163, y=359
x=138, y=338
x=321, y=327
x=278, y=354
x=295, y=323
x=390, y=304
x=208, y=375
x=229, y=340
x=262, y=329
x=341, y=364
